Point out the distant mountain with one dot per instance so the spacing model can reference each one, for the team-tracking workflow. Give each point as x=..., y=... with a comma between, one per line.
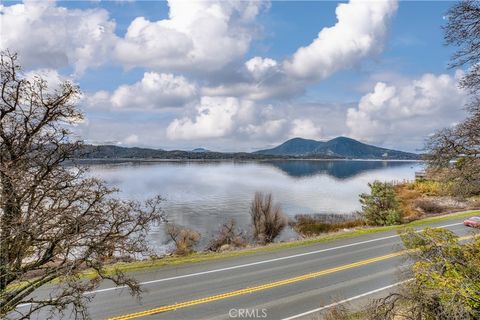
x=297, y=148
x=341, y=147
x=111, y=152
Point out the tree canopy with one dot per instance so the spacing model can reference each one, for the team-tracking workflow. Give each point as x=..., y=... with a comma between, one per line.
x=55, y=221
x=461, y=143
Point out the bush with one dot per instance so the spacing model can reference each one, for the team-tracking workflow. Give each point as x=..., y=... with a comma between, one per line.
x=311, y=225
x=338, y=312
x=381, y=207
x=445, y=281
x=429, y=206
x=406, y=196
x=228, y=235
x=429, y=187
x=183, y=238
x=268, y=220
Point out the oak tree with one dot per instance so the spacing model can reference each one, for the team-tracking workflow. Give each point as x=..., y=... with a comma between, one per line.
x=55, y=221
x=460, y=144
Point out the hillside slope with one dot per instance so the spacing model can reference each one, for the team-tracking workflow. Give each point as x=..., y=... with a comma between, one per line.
x=339, y=147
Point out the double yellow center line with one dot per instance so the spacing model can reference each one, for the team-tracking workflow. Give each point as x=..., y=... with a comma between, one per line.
x=262, y=287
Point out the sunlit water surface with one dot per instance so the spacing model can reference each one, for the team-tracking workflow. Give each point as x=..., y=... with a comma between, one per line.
x=203, y=195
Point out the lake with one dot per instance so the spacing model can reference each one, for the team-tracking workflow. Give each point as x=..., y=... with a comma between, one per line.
x=203, y=195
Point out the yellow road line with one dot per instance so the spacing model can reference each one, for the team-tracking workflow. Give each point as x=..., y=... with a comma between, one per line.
x=222, y=296
x=262, y=287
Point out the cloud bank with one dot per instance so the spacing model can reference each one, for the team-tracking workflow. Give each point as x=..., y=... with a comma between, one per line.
x=198, y=70
x=407, y=111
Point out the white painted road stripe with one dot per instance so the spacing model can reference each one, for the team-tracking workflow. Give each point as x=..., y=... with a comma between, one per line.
x=263, y=261
x=252, y=263
x=346, y=300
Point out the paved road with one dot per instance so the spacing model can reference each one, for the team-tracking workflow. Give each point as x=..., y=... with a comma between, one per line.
x=285, y=284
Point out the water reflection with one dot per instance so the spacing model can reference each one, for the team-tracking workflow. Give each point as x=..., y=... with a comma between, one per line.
x=341, y=169
x=203, y=195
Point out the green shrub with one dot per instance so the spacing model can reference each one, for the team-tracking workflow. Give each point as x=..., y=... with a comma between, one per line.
x=381, y=207
x=445, y=279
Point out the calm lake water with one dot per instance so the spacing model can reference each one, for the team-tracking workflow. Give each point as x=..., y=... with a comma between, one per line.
x=203, y=195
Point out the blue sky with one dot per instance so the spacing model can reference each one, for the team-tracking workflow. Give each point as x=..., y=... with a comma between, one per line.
x=248, y=84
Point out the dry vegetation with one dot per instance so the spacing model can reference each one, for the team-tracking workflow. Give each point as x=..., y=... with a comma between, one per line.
x=228, y=237
x=184, y=239
x=268, y=219
x=312, y=225
x=429, y=197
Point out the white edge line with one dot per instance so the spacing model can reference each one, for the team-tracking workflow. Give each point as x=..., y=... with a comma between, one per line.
x=346, y=300
x=250, y=264
x=262, y=262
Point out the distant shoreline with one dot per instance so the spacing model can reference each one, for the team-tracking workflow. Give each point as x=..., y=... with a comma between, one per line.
x=152, y=160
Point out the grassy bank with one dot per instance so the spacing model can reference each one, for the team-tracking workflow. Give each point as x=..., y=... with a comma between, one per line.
x=198, y=257
x=209, y=256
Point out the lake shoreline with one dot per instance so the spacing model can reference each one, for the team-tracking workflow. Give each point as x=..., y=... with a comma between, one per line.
x=167, y=260
x=147, y=160
x=204, y=255
x=202, y=195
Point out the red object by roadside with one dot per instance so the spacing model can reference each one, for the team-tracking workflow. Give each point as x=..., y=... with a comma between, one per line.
x=472, y=222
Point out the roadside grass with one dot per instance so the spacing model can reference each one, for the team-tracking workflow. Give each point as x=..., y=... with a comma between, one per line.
x=209, y=256
x=198, y=257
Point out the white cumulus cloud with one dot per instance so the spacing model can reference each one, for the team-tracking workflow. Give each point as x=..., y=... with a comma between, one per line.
x=406, y=113
x=260, y=67
x=53, y=79
x=359, y=32
x=305, y=128
x=131, y=139
x=154, y=90
x=48, y=36
x=198, y=35
x=241, y=119
x=229, y=117
x=214, y=118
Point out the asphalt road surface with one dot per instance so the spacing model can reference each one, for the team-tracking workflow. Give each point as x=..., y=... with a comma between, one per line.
x=295, y=283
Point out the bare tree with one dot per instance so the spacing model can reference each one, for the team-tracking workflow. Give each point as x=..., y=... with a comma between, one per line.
x=461, y=144
x=268, y=220
x=454, y=155
x=54, y=221
x=230, y=235
x=463, y=30
x=184, y=239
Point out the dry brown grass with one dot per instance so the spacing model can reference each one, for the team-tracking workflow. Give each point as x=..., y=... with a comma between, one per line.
x=429, y=206
x=338, y=312
x=428, y=197
x=311, y=226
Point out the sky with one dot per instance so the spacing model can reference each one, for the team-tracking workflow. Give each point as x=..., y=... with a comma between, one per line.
x=243, y=75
